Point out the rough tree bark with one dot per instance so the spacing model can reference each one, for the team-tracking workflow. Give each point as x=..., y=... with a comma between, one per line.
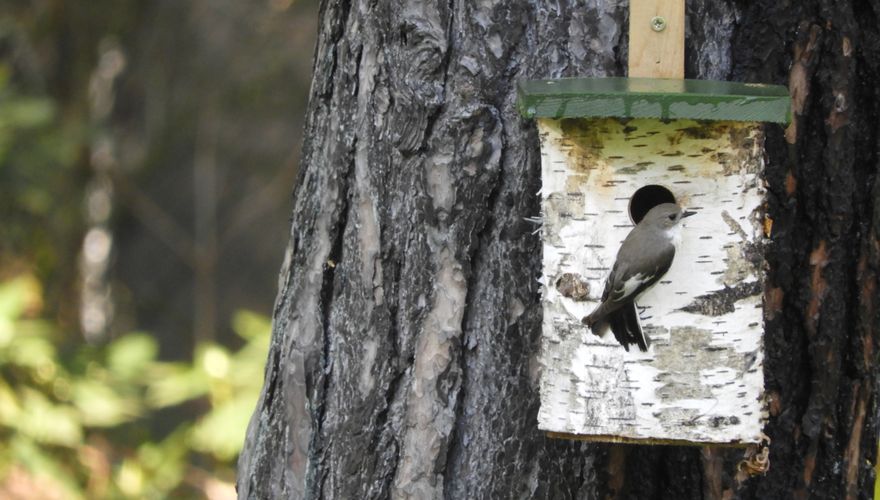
x=403, y=360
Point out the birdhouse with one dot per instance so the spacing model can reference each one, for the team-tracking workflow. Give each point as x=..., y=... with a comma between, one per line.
x=611, y=150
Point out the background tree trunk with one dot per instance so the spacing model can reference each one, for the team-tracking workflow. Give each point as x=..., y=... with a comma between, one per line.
x=404, y=354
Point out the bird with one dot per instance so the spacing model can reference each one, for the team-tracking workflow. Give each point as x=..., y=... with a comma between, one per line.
x=644, y=257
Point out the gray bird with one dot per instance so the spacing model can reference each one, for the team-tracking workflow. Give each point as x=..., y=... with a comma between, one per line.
x=645, y=256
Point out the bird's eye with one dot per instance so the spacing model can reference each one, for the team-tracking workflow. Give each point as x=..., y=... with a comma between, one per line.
x=672, y=217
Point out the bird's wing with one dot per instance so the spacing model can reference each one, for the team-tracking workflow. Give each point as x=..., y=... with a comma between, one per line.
x=625, y=282
x=617, y=322
x=633, y=328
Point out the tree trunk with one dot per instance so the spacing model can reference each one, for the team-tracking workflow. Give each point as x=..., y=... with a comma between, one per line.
x=404, y=355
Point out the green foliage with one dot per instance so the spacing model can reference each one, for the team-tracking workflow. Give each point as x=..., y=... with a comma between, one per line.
x=77, y=422
x=40, y=186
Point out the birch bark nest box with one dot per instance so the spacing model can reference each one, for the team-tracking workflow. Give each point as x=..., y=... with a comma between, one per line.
x=611, y=149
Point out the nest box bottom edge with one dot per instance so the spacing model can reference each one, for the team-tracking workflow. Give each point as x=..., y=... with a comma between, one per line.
x=610, y=439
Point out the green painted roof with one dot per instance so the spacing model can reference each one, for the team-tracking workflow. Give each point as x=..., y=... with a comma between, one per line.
x=661, y=98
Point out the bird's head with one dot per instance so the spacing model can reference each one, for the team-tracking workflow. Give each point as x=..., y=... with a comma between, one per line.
x=666, y=215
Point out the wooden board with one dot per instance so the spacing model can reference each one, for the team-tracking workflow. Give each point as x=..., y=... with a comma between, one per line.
x=656, y=54
x=702, y=379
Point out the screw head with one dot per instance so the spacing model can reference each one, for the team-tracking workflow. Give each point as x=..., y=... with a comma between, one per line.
x=658, y=23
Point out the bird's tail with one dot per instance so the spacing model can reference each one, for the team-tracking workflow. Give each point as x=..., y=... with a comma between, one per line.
x=597, y=324
x=624, y=324
x=598, y=319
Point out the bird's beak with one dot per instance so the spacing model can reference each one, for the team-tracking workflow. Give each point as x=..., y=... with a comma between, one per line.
x=687, y=213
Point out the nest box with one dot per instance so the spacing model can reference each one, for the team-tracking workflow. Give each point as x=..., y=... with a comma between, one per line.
x=611, y=149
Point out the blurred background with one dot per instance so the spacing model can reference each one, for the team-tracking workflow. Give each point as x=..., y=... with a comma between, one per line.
x=148, y=152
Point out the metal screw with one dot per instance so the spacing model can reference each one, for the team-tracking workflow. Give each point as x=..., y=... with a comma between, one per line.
x=658, y=23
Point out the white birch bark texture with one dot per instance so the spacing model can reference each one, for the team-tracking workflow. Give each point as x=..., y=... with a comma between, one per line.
x=702, y=378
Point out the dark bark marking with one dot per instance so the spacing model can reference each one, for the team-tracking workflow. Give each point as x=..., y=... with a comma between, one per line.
x=803, y=491
x=318, y=372
x=274, y=383
x=773, y=297
x=800, y=76
x=722, y=301
x=713, y=464
x=443, y=68
x=337, y=12
x=868, y=317
x=853, y=447
x=818, y=286
x=617, y=454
